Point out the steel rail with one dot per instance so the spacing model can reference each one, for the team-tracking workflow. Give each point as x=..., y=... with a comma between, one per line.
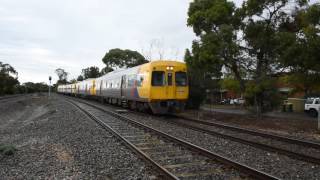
x=163, y=171
x=255, y=132
x=271, y=148
x=242, y=167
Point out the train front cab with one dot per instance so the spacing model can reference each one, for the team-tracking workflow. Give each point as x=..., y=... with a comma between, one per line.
x=169, y=87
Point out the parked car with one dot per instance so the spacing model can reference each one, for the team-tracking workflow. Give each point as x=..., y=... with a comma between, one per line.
x=312, y=106
x=238, y=101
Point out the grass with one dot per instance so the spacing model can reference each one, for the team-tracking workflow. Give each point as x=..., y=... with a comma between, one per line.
x=7, y=149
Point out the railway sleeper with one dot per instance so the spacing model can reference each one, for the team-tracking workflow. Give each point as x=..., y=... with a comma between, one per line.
x=167, y=153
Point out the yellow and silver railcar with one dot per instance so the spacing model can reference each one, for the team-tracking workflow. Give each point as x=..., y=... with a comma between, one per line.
x=161, y=86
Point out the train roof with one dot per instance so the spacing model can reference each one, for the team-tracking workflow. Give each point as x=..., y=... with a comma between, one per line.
x=154, y=63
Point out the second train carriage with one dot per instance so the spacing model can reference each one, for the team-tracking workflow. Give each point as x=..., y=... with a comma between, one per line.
x=161, y=86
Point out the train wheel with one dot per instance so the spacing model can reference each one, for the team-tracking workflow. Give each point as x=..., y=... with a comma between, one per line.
x=140, y=107
x=132, y=105
x=101, y=100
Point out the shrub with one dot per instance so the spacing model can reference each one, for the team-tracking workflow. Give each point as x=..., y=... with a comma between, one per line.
x=7, y=149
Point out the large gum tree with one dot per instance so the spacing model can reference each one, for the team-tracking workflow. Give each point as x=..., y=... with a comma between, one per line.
x=247, y=41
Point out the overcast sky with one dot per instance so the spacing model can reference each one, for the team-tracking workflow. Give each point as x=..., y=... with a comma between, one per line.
x=38, y=36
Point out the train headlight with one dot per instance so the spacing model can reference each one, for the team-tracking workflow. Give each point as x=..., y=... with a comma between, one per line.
x=169, y=68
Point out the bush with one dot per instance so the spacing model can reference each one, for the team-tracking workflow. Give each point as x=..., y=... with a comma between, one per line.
x=196, y=97
x=7, y=149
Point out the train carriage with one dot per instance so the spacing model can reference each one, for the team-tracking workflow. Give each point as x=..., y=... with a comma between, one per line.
x=161, y=86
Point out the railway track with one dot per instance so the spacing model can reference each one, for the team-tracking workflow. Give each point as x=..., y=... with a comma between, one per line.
x=294, y=148
x=254, y=132
x=297, y=149
x=10, y=97
x=174, y=158
x=280, y=144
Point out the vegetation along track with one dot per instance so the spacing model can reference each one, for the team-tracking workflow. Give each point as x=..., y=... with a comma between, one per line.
x=173, y=157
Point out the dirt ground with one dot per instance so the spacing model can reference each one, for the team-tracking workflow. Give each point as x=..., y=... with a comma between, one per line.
x=303, y=129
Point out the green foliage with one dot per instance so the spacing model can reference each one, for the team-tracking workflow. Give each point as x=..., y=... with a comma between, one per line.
x=305, y=82
x=300, y=49
x=80, y=78
x=30, y=87
x=255, y=41
x=118, y=58
x=72, y=81
x=7, y=149
x=200, y=75
x=230, y=84
x=8, y=79
x=265, y=93
x=90, y=72
x=106, y=70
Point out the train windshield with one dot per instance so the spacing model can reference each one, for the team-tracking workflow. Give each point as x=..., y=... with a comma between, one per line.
x=181, y=79
x=158, y=78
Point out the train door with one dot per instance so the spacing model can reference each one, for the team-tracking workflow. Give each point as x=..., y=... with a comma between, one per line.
x=100, y=88
x=123, y=86
x=93, y=89
x=170, y=88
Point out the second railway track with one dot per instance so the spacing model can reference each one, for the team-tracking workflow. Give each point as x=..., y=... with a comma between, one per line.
x=174, y=158
x=299, y=149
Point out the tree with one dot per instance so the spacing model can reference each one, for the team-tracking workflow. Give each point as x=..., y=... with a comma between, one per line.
x=300, y=50
x=244, y=40
x=30, y=87
x=90, y=72
x=80, y=78
x=230, y=84
x=8, y=79
x=200, y=75
x=118, y=58
x=72, y=81
x=105, y=70
x=62, y=75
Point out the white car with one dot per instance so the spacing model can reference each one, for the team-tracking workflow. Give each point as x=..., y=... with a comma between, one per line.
x=312, y=106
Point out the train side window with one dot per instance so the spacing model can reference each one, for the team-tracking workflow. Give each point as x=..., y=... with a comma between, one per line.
x=158, y=78
x=131, y=80
x=181, y=79
x=140, y=79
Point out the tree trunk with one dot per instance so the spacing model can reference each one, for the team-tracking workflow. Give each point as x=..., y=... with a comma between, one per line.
x=237, y=75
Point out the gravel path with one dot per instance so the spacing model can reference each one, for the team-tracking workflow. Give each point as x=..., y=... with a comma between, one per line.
x=278, y=165
x=56, y=141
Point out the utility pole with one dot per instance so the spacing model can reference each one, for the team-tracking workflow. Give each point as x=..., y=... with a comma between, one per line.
x=50, y=86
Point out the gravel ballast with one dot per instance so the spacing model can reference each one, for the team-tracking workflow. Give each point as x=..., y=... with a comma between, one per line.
x=278, y=165
x=152, y=144
x=55, y=141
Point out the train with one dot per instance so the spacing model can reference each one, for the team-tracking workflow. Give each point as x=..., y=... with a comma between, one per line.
x=158, y=86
